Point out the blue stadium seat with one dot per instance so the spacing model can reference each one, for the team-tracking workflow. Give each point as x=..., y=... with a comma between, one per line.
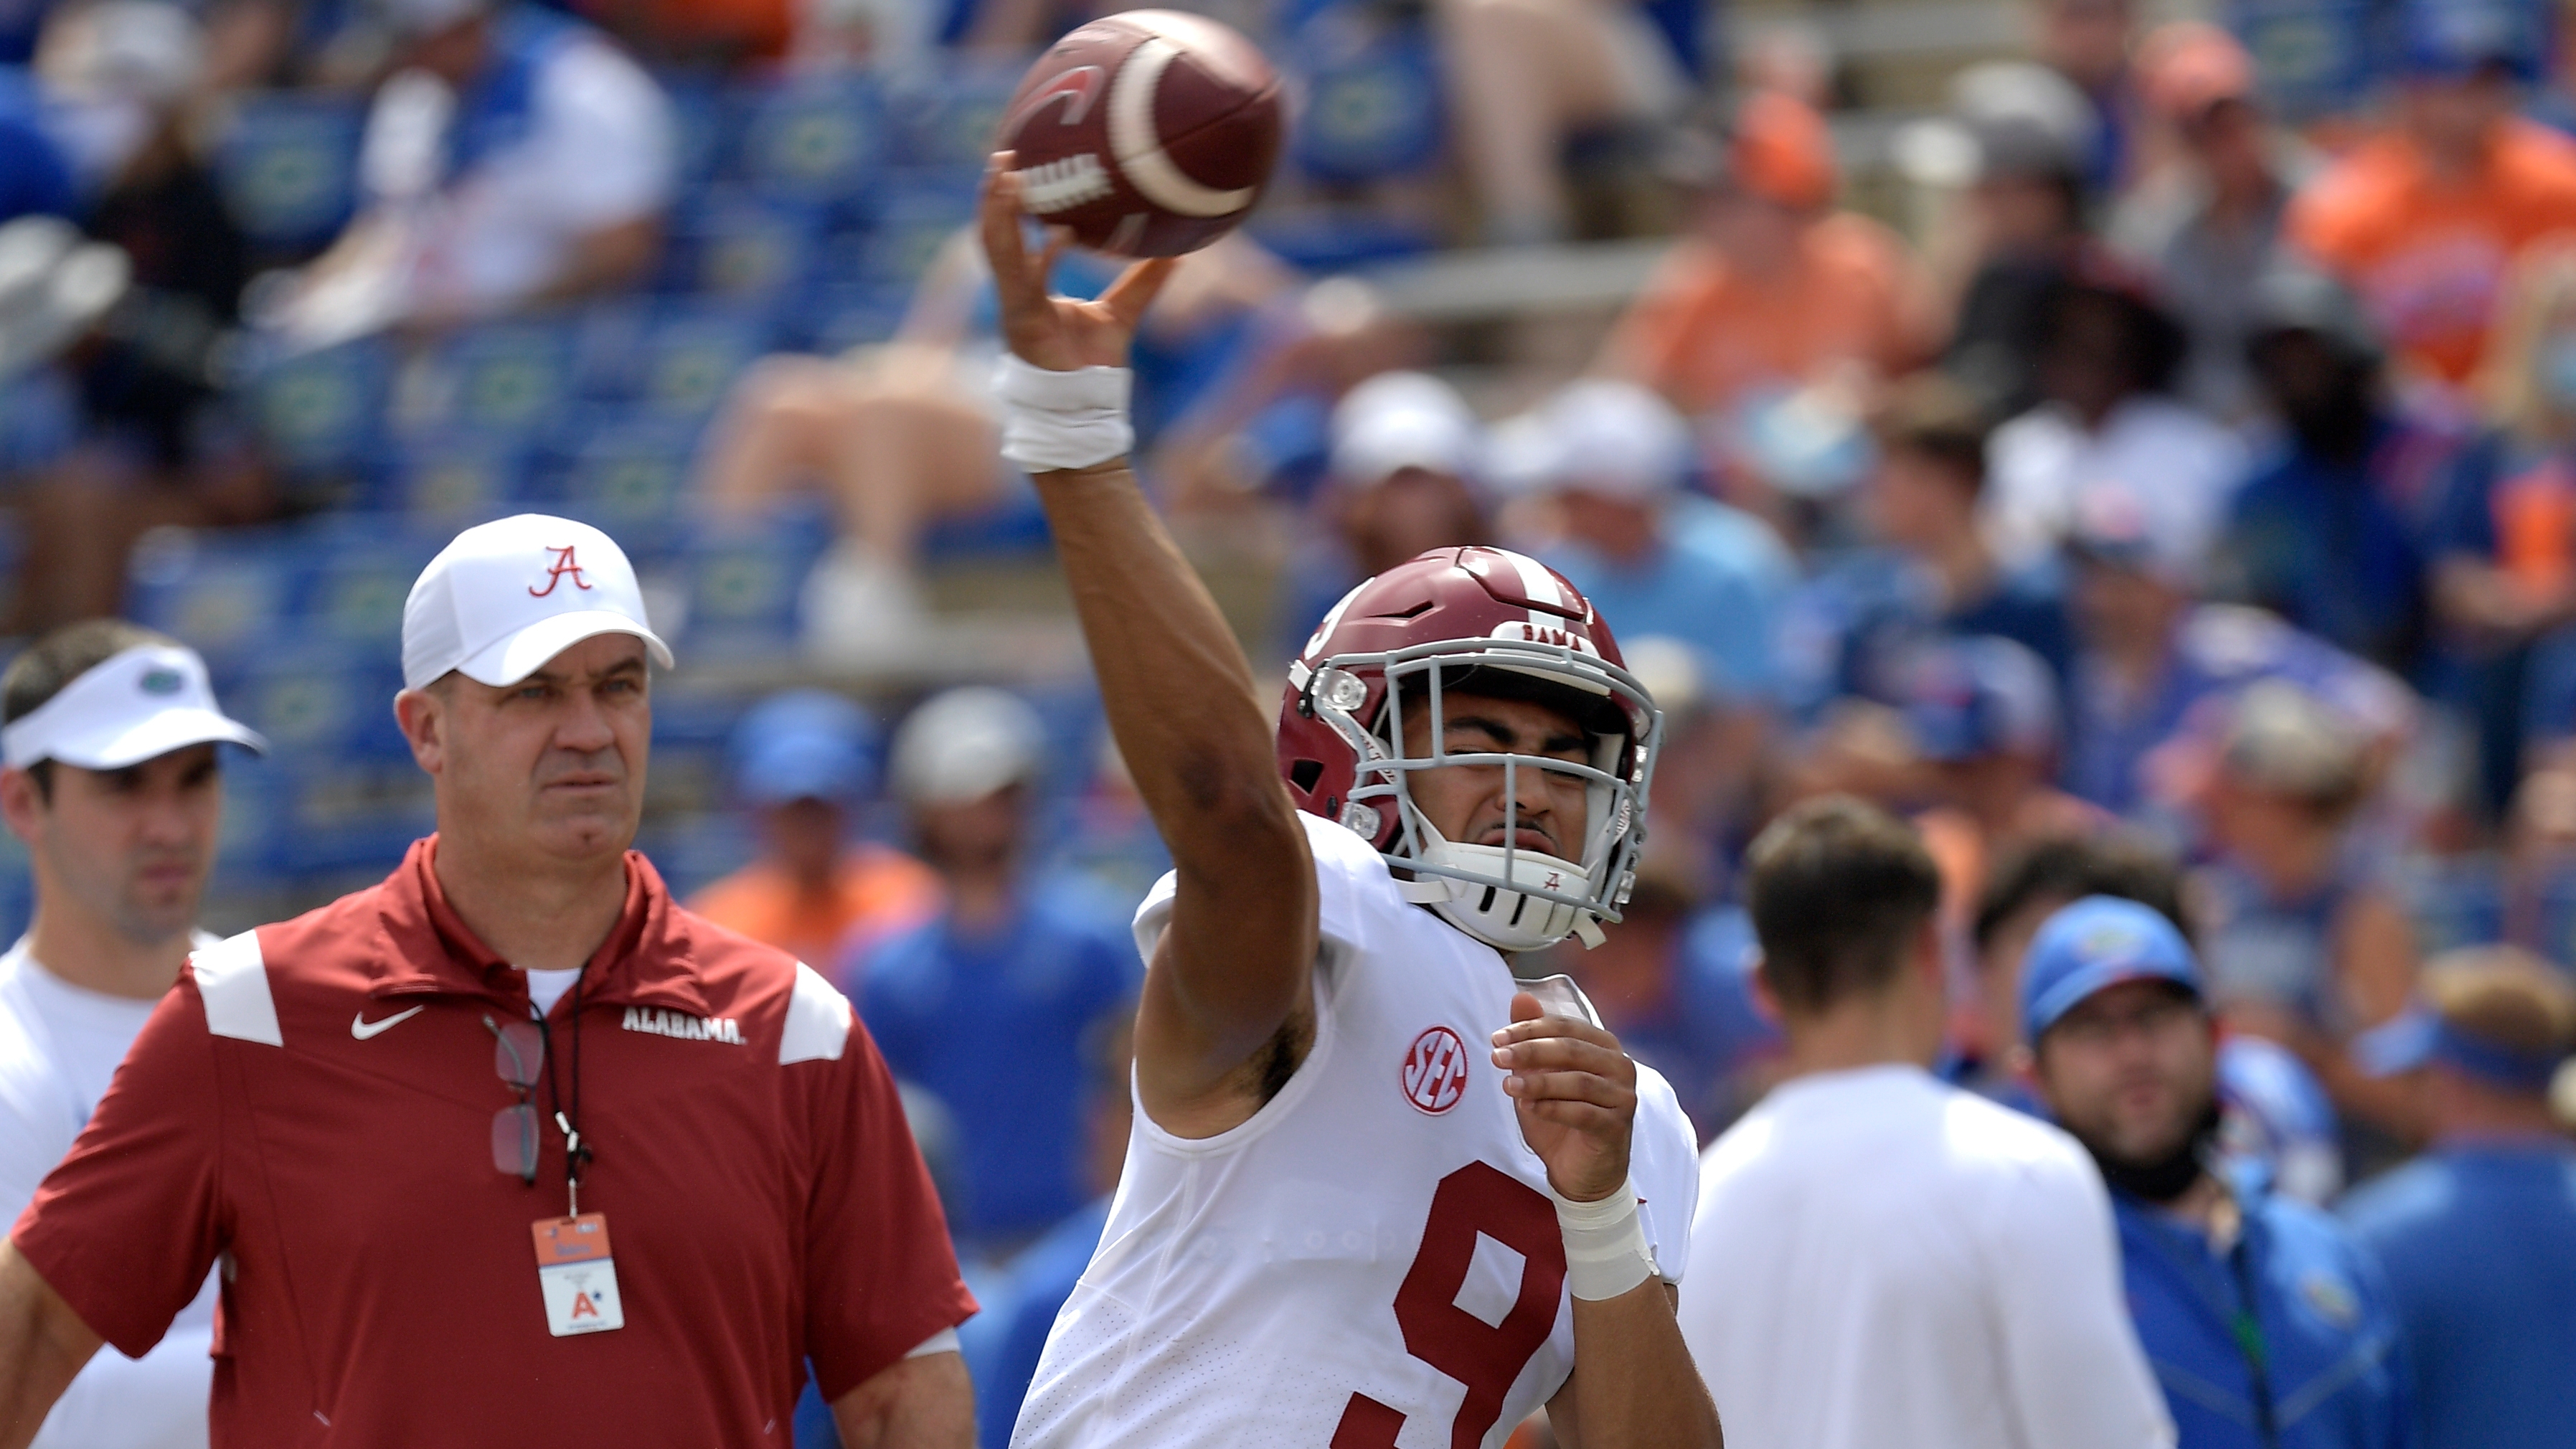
x=672, y=362
x=744, y=586
x=815, y=139
x=911, y=223
x=288, y=167
x=619, y=470
x=945, y=125
x=323, y=702
x=839, y=317
x=702, y=131
x=1373, y=99
x=451, y=476
x=222, y=598
x=502, y=380
x=740, y=246
x=2311, y=57
x=321, y=412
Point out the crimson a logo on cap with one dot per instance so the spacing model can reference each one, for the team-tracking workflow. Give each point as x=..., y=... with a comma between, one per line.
x=1435, y=1071
x=562, y=568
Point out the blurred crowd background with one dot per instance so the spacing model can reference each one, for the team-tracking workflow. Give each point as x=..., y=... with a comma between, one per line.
x=2123, y=440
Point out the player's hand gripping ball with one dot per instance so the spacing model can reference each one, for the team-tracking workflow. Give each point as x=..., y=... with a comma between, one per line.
x=1146, y=134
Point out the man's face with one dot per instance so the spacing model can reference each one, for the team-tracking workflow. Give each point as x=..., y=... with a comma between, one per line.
x=979, y=833
x=2123, y=608
x=2454, y=117
x=1914, y=500
x=131, y=847
x=553, y=764
x=1467, y=803
x=2131, y=1070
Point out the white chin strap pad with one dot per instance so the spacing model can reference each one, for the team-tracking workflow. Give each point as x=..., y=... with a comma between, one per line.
x=1507, y=920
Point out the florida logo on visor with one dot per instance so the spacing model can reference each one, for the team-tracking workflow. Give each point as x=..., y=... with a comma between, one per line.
x=161, y=682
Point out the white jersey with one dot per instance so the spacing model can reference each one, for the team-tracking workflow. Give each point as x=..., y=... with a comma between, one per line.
x=59, y=1048
x=1373, y=1259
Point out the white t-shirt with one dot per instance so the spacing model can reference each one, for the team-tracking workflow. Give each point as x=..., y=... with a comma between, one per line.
x=545, y=988
x=1348, y=1251
x=2173, y=461
x=598, y=152
x=59, y=1047
x=1881, y=1260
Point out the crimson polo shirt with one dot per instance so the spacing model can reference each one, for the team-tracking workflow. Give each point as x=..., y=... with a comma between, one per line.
x=765, y=1202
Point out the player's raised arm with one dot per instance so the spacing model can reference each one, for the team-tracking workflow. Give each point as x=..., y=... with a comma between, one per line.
x=1233, y=974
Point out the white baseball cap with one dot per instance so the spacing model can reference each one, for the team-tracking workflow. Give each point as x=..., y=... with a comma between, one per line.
x=506, y=596
x=1612, y=438
x=136, y=705
x=1399, y=420
x=965, y=744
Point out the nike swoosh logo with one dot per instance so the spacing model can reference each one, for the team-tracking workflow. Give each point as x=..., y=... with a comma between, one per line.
x=361, y=1028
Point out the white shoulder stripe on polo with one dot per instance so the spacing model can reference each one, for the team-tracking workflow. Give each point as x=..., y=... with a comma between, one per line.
x=232, y=980
x=818, y=1020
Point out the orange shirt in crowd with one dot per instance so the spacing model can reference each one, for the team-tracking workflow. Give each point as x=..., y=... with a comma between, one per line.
x=2426, y=255
x=878, y=892
x=1702, y=334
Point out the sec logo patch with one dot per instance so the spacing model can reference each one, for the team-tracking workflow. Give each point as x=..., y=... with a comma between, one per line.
x=1435, y=1071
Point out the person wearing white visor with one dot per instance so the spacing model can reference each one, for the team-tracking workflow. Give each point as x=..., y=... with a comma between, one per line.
x=109, y=772
x=512, y=1117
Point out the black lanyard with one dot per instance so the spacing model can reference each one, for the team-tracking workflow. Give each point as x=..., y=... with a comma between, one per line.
x=577, y=1152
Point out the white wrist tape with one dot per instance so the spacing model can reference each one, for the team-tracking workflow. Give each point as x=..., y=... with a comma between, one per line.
x=1053, y=420
x=1605, y=1245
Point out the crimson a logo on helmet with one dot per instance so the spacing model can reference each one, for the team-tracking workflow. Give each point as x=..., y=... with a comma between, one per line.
x=1435, y=1071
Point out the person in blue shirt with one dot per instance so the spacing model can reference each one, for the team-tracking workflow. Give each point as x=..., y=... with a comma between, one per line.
x=2330, y=532
x=35, y=175
x=2478, y=1236
x=988, y=1005
x=1931, y=574
x=2266, y=1323
x=1647, y=552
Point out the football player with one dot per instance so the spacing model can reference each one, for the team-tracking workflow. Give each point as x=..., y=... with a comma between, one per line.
x=1380, y=1193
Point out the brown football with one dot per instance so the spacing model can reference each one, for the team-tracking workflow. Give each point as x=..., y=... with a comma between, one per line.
x=1148, y=133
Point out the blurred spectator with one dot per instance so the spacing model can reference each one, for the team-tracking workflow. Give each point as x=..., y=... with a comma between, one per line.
x=1982, y=712
x=988, y=1005
x=2206, y=228
x=160, y=441
x=2149, y=659
x=2087, y=41
x=2107, y=358
x=2478, y=1236
x=1852, y=631
x=2025, y=137
x=2027, y=886
x=35, y=175
x=1889, y=1260
x=514, y=157
x=2277, y=1121
x=2305, y=943
x=1525, y=76
x=901, y=435
x=1002, y=1344
x=2425, y=220
x=1644, y=550
x=1773, y=289
x=803, y=764
x=2328, y=533
x=1406, y=477
x=2268, y=1326
x=2504, y=541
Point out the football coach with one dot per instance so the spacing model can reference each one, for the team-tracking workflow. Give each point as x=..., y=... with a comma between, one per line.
x=509, y=1149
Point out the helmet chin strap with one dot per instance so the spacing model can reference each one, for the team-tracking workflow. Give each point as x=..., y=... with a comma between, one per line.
x=1507, y=920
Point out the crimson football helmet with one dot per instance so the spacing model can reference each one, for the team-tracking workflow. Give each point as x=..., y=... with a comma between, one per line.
x=1487, y=622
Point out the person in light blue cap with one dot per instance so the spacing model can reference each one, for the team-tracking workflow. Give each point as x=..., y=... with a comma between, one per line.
x=803, y=762
x=2266, y=1323
x=2478, y=1235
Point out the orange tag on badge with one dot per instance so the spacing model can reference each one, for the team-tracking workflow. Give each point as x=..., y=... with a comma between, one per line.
x=577, y=1276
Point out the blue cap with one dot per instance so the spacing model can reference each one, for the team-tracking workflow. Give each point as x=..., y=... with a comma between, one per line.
x=1969, y=698
x=2455, y=39
x=2421, y=1036
x=2092, y=945
x=805, y=744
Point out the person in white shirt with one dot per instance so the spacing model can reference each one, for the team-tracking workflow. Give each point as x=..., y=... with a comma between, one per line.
x=514, y=157
x=1879, y=1259
x=108, y=772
